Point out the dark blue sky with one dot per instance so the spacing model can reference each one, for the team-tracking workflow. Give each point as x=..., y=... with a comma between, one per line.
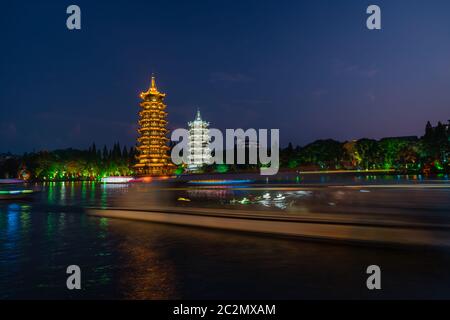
x=309, y=68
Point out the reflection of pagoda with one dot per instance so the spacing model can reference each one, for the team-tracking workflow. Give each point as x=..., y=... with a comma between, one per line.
x=152, y=142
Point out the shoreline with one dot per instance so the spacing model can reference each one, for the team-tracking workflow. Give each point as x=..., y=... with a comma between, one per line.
x=255, y=175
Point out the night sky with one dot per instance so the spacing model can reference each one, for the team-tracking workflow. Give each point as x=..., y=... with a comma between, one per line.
x=310, y=68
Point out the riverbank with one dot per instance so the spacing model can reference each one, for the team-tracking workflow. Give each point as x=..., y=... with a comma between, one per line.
x=254, y=175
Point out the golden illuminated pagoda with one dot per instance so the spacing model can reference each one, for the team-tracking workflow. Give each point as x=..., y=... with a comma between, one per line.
x=153, y=159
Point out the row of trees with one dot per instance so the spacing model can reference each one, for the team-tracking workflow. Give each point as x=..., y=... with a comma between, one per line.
x=70, y=164
x=430, y=153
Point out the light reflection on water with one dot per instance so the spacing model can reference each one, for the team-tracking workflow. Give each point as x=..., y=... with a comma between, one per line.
x=124, y=259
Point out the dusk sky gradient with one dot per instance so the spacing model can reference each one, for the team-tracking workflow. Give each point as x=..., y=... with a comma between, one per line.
x=310, y=68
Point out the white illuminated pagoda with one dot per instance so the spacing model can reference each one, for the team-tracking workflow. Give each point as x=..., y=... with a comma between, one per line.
x=199, y=151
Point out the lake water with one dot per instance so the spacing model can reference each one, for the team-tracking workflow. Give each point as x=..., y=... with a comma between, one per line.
x=134, y=260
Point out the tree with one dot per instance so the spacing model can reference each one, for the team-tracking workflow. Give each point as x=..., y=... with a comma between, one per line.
x=105, y=153
x=325, y=153
x=369, y=152
x=428, y=131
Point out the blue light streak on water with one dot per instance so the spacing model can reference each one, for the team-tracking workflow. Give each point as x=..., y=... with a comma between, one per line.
x=219, y=182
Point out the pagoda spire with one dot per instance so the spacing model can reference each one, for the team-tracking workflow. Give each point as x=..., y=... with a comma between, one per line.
x=153, y=84
x=198, y=116
x=152, y=90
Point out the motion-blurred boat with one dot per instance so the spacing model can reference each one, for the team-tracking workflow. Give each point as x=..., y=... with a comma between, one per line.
x=11, y=181
x=118, y=180
x=15, y=189
x=19, y=194
x=219, y=182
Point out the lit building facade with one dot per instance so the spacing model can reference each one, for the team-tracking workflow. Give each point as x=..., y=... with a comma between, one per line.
x=199, y=152
x=153, y=158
